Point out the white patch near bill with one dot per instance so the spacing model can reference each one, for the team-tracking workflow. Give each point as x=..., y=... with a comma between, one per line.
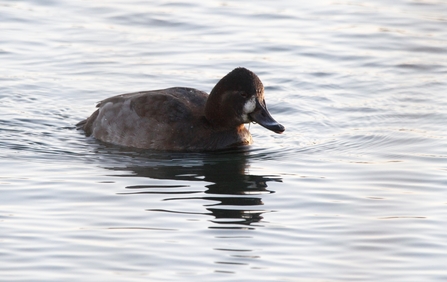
x=249, y=107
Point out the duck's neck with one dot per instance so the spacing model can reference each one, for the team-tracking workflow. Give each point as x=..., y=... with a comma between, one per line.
x=213, y=110
x=219, y=108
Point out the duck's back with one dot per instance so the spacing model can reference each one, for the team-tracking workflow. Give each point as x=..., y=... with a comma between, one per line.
x=149, y=119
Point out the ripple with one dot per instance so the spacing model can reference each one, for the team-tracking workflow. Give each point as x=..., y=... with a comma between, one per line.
x=360, y=169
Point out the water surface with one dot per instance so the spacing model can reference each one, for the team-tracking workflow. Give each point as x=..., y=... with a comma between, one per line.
x=354, y=190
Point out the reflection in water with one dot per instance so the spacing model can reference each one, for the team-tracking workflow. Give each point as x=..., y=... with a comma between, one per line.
x=233, y=193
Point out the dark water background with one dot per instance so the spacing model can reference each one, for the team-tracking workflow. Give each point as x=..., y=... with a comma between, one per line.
x=354, y=190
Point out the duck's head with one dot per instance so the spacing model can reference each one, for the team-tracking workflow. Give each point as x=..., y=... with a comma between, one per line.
x=238, y=98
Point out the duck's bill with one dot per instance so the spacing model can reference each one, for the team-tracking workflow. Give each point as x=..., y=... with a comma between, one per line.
x=262, y=116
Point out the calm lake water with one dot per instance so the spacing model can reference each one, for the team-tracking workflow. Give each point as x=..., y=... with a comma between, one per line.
x=354, y=190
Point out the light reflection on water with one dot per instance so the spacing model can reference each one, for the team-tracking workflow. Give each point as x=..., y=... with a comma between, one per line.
x=354, y=190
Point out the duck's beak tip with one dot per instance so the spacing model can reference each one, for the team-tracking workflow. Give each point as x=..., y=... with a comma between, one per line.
x=262, y=116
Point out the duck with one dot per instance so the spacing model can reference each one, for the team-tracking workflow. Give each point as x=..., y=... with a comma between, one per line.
x=184, y=119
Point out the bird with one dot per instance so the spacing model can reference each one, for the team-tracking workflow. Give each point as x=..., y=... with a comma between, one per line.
x=184, y=119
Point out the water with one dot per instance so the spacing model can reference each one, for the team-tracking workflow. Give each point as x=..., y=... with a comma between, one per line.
x=354, y=190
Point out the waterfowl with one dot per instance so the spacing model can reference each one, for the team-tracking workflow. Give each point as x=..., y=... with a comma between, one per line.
x=184, y=119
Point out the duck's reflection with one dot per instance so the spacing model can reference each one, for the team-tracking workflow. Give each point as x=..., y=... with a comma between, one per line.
x=235, y=196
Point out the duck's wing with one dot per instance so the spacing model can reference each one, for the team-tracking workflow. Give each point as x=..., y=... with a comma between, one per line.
x=147, y=119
